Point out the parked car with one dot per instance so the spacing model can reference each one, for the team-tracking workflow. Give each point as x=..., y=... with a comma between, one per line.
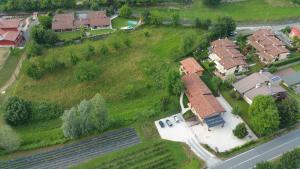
x=162, y=125
x=176, y=119
x=169, y=123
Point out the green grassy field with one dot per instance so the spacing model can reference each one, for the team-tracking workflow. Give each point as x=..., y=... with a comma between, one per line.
x=248, y=11
x=76, y=34
x=297, y=67
x=142, y=66
x=119, y=22
x=9, y=67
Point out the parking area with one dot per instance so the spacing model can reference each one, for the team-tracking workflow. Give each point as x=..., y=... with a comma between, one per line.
x=218, y=138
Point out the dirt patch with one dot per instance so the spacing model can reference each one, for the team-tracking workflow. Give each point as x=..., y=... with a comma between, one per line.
x=3, y=56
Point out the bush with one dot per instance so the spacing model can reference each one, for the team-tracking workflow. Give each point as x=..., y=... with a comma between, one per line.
x=33, y=49
x=33, y=70
x=86, y=71
x=236, y=110
x=125, y=11
x=272, y=69
x=17, y=111
x=240, y=131
x=46, y=111
x=89, y=115
x=9, y=139
x=285, y=62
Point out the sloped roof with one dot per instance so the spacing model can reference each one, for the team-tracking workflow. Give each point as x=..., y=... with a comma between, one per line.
x=63, y=21
x=98, y=18
x=190, y=65
x=200, y=97
x=9, y=35
x=9, y=23
x=227, y=51
x=267, y=45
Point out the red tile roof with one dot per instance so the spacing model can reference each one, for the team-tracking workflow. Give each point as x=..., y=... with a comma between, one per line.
x=98, y=18
x=68, y=20
x=9, y=35
x=200, y=97
x=190, y=65
x=295, y=31
x=63, y=21
x=268, y=46
x=227, y=51
x=10, y=23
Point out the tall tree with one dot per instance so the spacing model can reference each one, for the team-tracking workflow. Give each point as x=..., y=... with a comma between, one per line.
x=125, y=11
x=45, y=21
x=264, y=115
x=289, y=111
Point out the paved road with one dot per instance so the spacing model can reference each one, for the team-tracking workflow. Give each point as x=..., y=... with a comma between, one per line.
x=264, y=152
x=76, y=153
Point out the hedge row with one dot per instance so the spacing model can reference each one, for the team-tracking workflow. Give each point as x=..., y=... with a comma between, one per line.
x=285, y=62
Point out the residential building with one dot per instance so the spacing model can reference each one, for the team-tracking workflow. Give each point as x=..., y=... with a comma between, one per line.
x=190, y=66
x=10, y=32
x=260, y=83
x=73, y=21
x=268, y=47
x=227, y=58
x=295, y=31
x=202, y=102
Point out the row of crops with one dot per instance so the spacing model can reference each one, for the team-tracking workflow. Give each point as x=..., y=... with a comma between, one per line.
x=77, y=152
x=156, y=156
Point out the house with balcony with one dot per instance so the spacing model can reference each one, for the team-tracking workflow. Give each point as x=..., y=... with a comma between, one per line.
x=227, y=58
x=268, y=47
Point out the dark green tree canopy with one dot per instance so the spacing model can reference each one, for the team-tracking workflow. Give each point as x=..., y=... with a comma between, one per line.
x=264, y=115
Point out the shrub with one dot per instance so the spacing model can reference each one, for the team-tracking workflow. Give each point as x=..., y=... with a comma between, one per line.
x=104, y=50
x=89, y=115
x=285, y=62
x=17, y=111
x=272, y=69
x=33, y=49
x=240, y=131
x=236, y=110
x=86, y=71
x=33, y=70
x=51, y=64
x=46, y=111
x=73, y=58
x=125, y=11
x=9, y=139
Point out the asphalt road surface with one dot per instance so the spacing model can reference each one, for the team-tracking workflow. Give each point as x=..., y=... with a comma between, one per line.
x=76, y=153
x=264, y=152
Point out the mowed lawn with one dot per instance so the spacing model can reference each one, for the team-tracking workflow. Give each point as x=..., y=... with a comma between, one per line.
x=123, y=69
x=248, y=11
x=297, y=67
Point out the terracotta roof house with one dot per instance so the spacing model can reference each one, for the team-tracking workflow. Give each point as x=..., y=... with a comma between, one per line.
x=190, y=66
x=269, y=48
x=262, y=83
x=227, y=58
x=71, y=21
x=10, y=32
x=295, y=31
x=202, y=102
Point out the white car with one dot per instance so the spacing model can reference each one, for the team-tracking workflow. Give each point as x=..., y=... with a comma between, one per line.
x=176, y=119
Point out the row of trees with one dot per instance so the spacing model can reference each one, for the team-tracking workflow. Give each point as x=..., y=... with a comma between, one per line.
x=88, y=116
x=33, y=5
x=289, y=160
x=267, y=115
x=19, y=111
